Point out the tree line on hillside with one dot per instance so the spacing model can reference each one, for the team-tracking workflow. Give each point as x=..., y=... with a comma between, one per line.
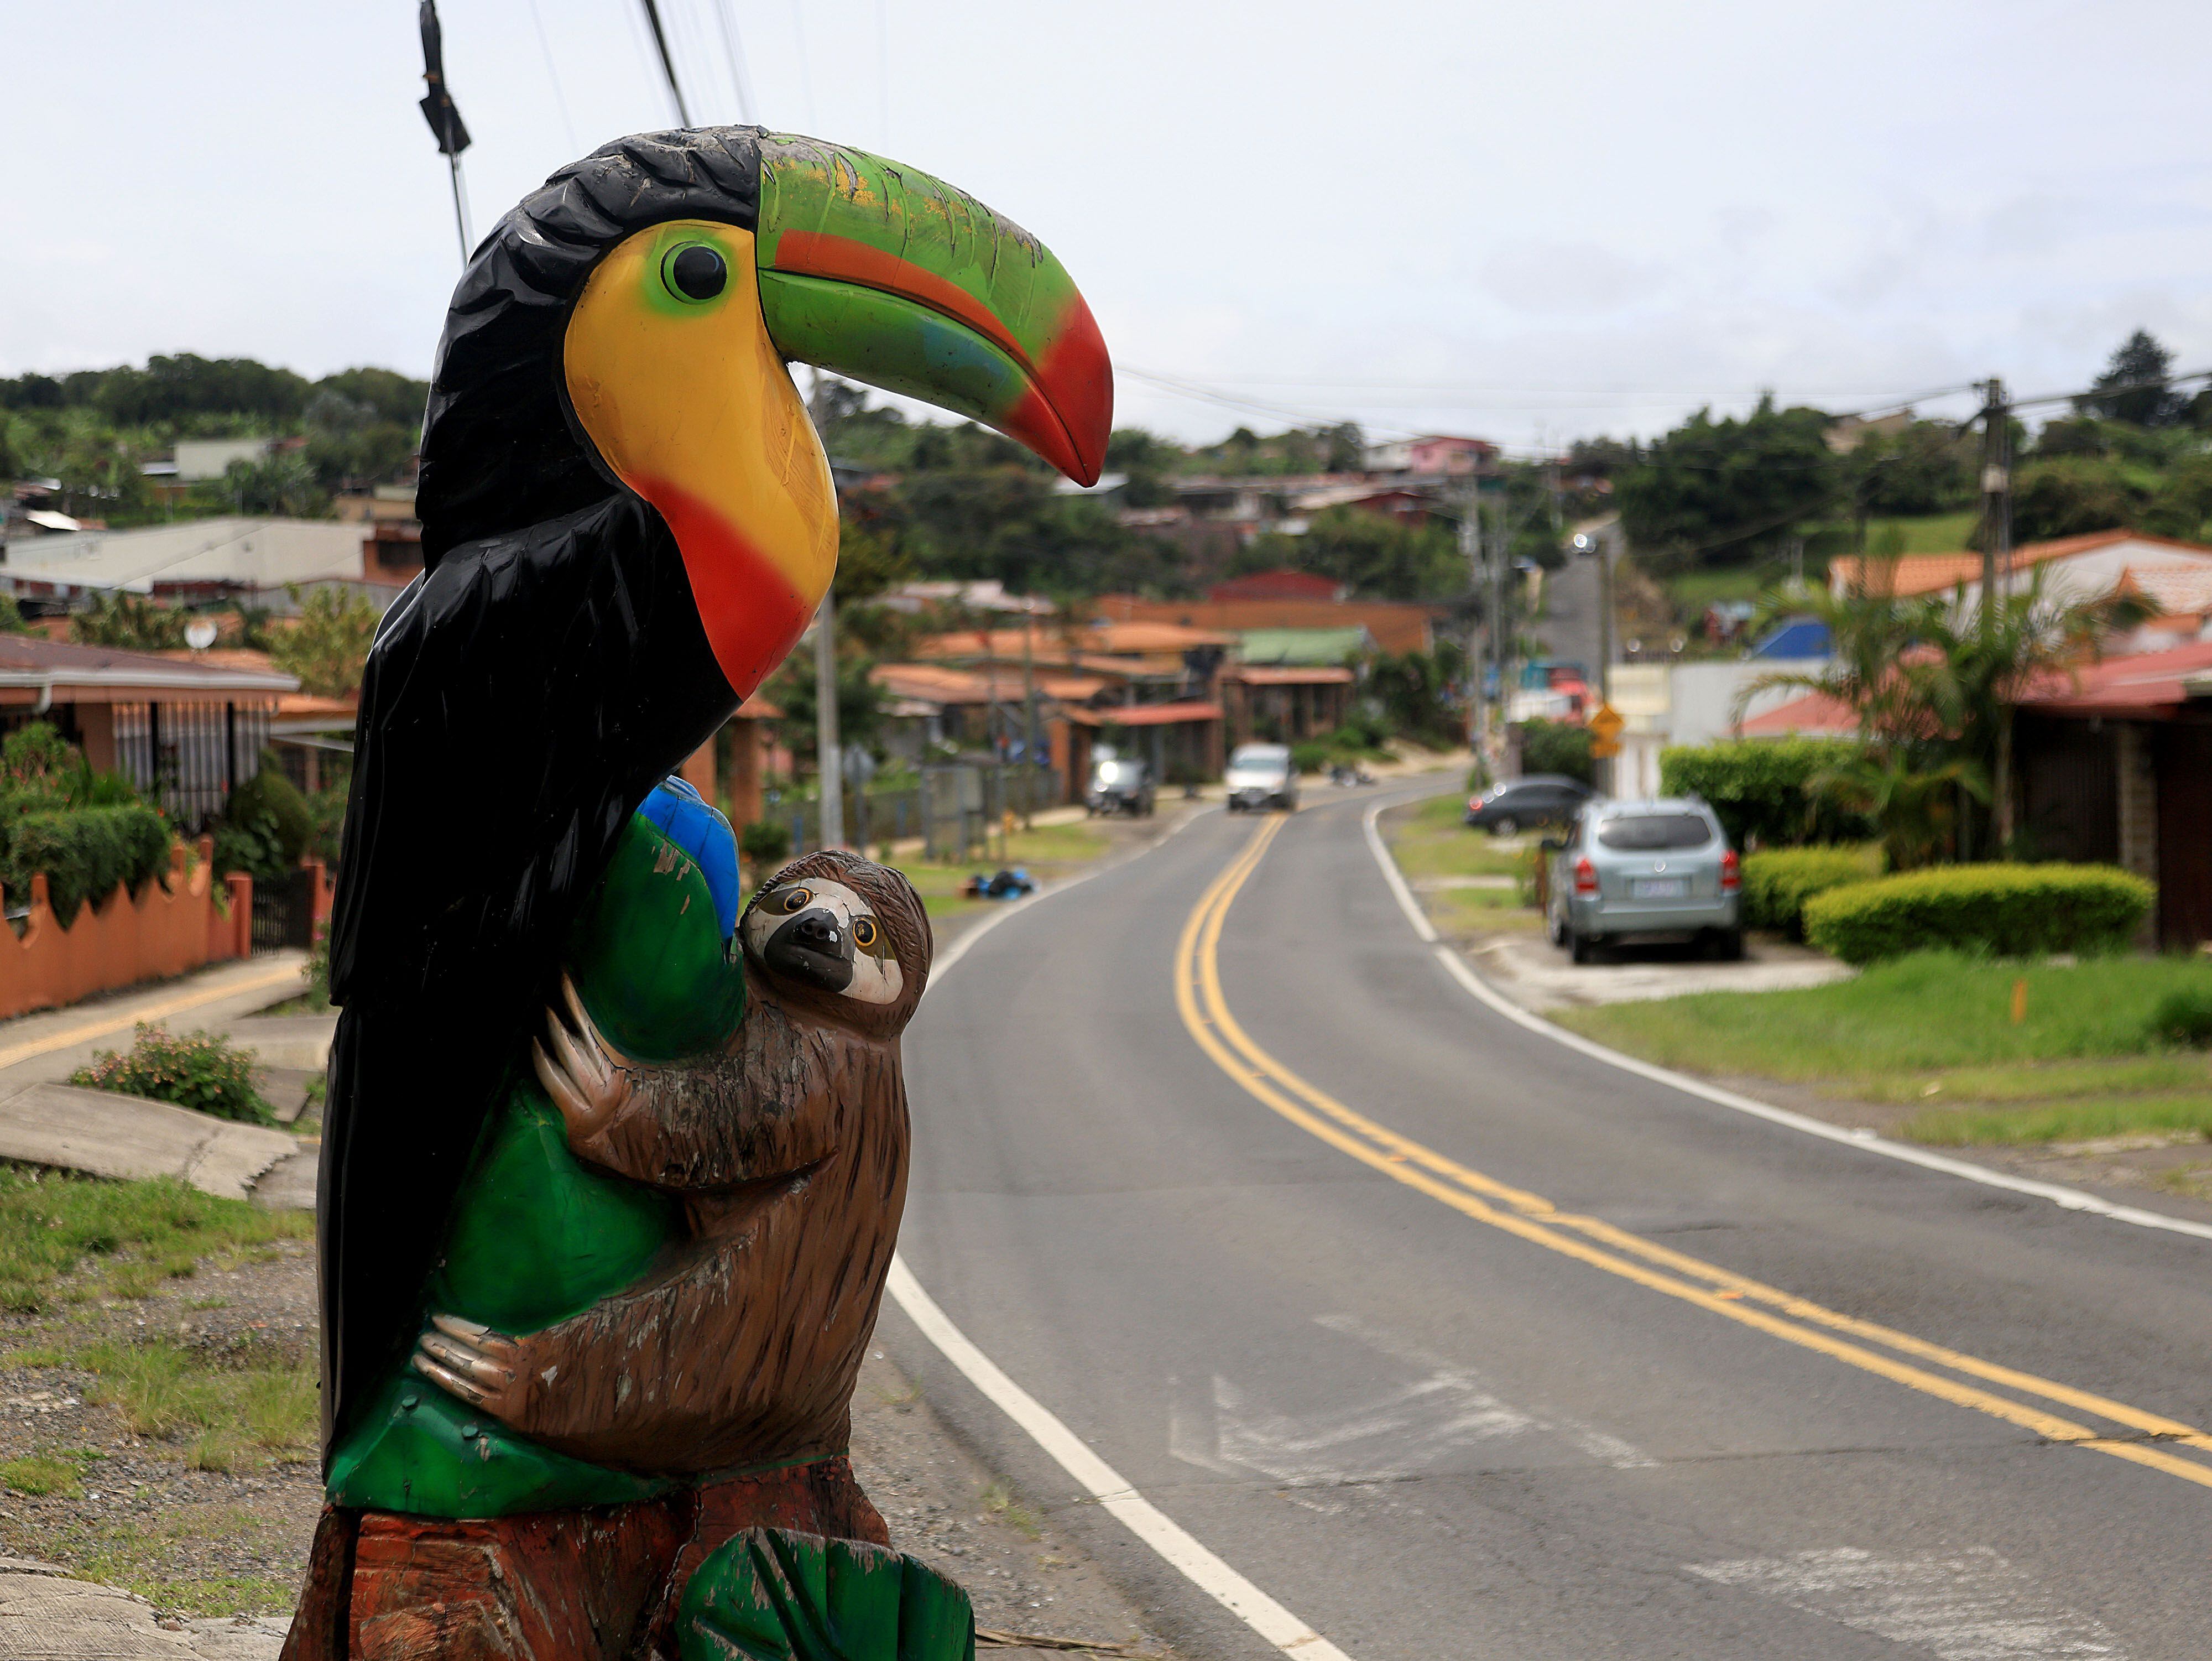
x=940, y=501
x=93, y=429
x=1737, y=490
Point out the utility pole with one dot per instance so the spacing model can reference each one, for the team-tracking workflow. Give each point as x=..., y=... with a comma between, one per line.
x=1996, y=496
x=1604, y=617
x=1470, y=548
x=1501, y=631
x=1028, y=708
x=828, y=754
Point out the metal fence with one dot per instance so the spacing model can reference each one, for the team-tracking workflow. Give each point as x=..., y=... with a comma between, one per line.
x=952, y=809
x=284, y=914
x=188, y=756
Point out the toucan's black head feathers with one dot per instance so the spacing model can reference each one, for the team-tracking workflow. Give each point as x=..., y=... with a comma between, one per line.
x=500, y=447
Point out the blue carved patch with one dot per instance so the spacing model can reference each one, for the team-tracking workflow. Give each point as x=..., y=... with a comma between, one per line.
x=696, y=825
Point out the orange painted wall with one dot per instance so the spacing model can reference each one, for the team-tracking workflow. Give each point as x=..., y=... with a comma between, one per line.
x=161, y=933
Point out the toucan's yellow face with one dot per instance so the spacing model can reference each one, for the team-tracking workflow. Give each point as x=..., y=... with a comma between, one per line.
x=674, y=377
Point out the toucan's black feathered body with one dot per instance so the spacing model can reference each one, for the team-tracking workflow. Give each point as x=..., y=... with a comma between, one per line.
x=548, y=669
x=519, y=705
x=627, y=520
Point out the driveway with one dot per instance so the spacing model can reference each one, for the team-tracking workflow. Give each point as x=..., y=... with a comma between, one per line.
x=1537, y=975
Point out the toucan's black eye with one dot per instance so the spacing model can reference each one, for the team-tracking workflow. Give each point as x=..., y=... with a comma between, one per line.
x=797, y=898
x=696, y=271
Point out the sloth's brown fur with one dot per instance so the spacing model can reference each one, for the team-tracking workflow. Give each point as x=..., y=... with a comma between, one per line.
x=789, y=1154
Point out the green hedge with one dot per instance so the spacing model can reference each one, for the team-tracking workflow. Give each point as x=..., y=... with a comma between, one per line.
x=85, y=853
x=1777, y=882
x=2012, y=910
x=1757, y=787
x=1557, y=746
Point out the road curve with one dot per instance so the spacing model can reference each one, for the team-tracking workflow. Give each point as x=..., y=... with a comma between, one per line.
x=1429, y=1432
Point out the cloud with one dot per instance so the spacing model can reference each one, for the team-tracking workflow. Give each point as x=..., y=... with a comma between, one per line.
x=1579, y=278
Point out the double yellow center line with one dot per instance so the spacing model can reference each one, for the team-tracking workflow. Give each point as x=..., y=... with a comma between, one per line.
x=1862, y=1344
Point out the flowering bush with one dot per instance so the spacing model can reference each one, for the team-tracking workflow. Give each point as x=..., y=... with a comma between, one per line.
x=203, y=1071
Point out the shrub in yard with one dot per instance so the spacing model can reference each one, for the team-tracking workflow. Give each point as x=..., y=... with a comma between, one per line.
x=1310, y=755
x=1557, y=746
x=765, y=842
x=2183, y=1016
x=267, y=825
x=202, y=1071
x=85, y=852
x=1756, y=787
x=2011, y=910
x=1777, y=882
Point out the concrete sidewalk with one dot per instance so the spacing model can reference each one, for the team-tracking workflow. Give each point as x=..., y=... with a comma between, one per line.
x=46, y=1614
x=44, y=1121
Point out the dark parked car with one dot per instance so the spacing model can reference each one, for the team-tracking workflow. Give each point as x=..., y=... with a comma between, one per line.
x=1540, y=799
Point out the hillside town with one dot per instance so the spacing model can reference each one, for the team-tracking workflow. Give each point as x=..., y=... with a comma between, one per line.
x=883, y=832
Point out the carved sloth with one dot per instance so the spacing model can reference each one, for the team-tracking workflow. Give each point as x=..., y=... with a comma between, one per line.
x=788, y=1153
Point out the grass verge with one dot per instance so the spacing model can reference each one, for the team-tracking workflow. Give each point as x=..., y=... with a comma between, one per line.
x=2063, y=1122
x=1433, y=846
x=1046, y=852
x=141, y=1556
x=1937, y=1028
x=138, y=1234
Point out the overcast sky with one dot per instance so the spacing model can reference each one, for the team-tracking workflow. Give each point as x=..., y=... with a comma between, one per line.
x=1527, y=221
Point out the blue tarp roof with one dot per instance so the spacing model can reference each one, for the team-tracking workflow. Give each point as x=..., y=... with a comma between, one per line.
x=1799, y=637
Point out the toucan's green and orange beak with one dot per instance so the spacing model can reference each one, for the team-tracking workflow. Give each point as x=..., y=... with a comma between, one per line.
x=887, y=276
x=674, y=359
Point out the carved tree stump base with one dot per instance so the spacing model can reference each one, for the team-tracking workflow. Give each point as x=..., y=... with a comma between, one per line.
x=597, y=1583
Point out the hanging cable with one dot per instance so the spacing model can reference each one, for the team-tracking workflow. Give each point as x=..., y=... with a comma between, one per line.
x=668, y=63
x=725, y=16
x=553, y=73
x=805, y=74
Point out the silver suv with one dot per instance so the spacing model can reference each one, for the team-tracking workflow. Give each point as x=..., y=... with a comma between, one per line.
x=1644, y=867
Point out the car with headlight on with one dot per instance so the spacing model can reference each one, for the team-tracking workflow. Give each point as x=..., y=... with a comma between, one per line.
x=1120, y=784
x=1638, y=868
x=1260, y=776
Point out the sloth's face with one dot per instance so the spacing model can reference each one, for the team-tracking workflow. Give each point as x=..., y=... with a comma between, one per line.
x=824, y=935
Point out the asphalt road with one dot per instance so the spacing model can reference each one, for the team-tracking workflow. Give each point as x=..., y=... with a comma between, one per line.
x=1570, y=626
x=1435, y=1420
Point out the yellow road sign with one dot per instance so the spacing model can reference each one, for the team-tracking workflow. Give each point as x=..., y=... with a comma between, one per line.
x=1606, y=722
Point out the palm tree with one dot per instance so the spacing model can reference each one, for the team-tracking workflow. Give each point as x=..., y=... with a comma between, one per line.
x=1936, y=683
x=1987, y=661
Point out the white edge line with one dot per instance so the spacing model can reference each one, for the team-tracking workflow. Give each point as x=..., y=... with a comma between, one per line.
x=1114, y=1492
x=2069, y=1199
x=1104, y=1484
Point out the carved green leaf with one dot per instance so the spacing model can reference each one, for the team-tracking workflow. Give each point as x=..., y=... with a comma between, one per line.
x=771, y=1595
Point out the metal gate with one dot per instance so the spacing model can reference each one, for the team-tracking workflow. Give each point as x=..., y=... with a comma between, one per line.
x=284, y=914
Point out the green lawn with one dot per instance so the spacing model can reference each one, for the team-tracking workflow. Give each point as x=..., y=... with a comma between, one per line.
x=1432, y=845
x=1692, y=592
x=1046, y=852
x=78, y=1259
x=134, y=1234
x=1937, y=1028
x=1931, y=534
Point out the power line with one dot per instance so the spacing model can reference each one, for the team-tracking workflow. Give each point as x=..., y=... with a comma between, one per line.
x=668, y=63
x=726, y=17
x=806, y=73
x=553, y=73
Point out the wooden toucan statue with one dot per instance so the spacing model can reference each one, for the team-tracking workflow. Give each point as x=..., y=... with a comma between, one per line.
x=627, y=520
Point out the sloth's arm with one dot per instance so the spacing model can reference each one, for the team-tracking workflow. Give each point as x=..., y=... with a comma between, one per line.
x=682, y=1373
x=714, y=1122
